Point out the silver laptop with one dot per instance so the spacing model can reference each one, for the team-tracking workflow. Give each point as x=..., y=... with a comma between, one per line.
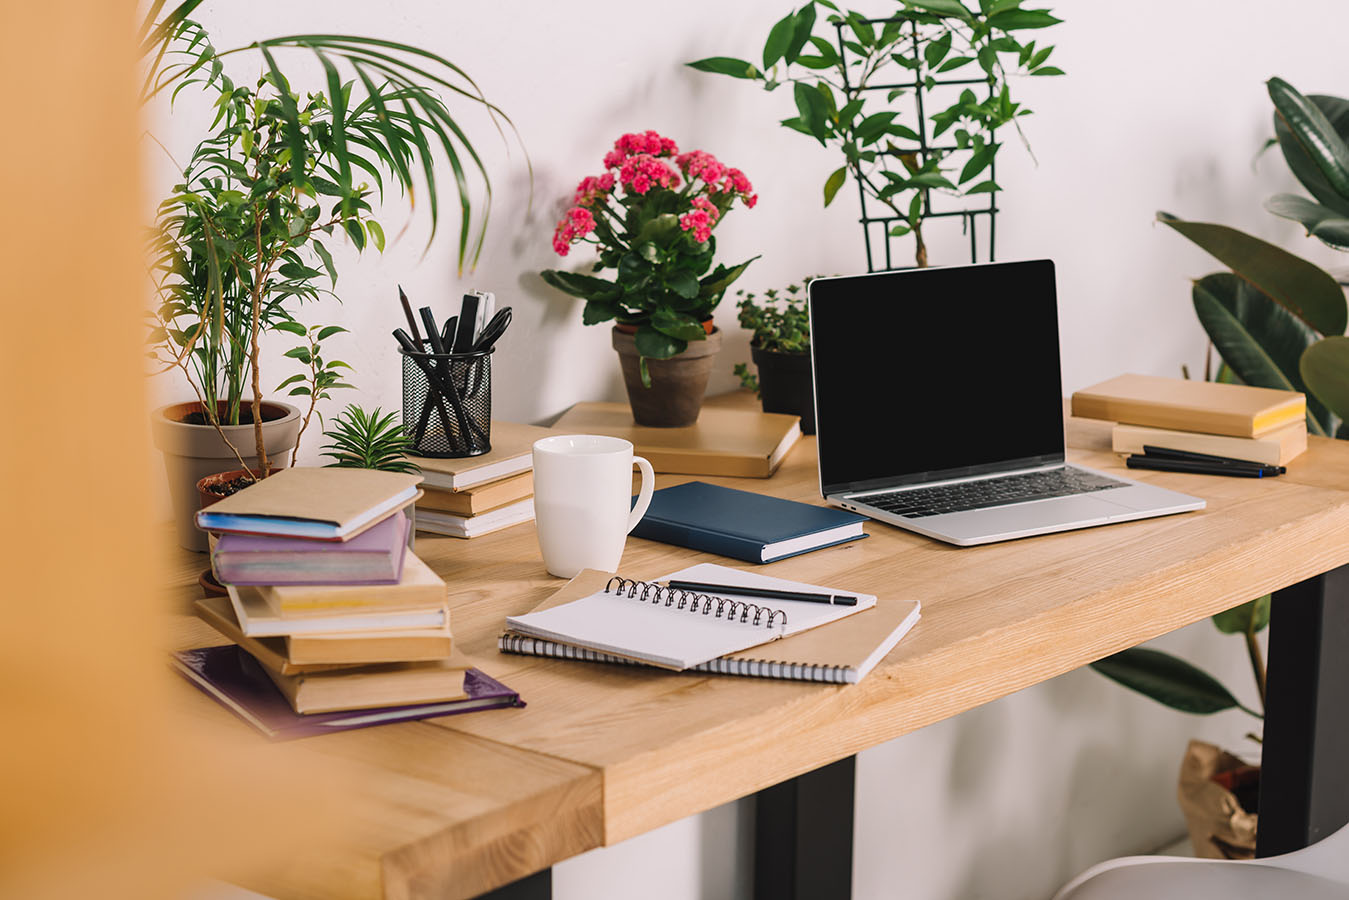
x=939, y=407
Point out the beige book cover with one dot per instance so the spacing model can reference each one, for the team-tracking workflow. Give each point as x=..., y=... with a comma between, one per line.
x=481, y=499
x=511, y=454
x=389, y=684
x=373, y=647
x=731, y=442
x=419, y=588
x=1236, y=410
x=854, y=643
x=1275, y=448
x=349, y=500
x=217, y=612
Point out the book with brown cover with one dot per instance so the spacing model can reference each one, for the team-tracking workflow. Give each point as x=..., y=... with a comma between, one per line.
x=511, y=454
x=481, y=499
x=364, y=687
x=418, y=588
x=325, y=652
x=731, y=442
x=1274, y=448
x=1237, y=410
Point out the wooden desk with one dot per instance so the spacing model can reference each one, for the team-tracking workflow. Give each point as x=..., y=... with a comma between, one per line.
x=604, y=753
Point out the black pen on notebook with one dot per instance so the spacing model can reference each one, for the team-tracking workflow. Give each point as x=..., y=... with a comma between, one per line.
x=762, y=593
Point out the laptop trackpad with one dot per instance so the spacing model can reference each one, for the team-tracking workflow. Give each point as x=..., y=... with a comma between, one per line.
x=1082, y=511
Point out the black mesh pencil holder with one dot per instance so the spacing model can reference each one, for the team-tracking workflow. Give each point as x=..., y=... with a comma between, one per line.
x=447, y=402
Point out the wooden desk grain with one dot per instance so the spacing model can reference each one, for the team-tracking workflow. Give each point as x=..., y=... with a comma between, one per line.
x=996, y=619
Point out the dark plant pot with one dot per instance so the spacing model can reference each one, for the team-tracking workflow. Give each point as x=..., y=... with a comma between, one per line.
x=786, y=384
x=206, y=496
x=677, y=384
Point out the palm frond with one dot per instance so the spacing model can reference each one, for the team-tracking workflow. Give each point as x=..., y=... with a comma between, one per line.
x=361, y=440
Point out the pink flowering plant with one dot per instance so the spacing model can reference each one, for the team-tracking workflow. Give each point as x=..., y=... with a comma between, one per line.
x=651, y=216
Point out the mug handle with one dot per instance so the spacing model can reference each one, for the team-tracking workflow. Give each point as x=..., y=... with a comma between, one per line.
x=643, y=495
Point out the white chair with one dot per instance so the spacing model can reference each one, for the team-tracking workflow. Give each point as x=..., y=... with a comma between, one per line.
x=1318, y=872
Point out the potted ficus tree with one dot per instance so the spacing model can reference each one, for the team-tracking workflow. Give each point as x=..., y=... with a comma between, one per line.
x=239, y=244
x=651, y=214
x=780, y=349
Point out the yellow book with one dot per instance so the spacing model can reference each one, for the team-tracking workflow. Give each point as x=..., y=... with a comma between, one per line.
x=1236, y=410
x=477, y=500
x=1274, y=448
x=511, y=454
x=739, y=443
x=418, y=588
x=370, y=647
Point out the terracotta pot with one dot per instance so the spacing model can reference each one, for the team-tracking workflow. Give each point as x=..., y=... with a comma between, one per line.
x=192, y=452
x=677, y=384
x=632, y=329
x=786, y=384
x=206, y=496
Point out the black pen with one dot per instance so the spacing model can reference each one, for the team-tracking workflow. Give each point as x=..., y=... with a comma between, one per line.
x=765, y=593
x=1190, y=455
x=1198, y=468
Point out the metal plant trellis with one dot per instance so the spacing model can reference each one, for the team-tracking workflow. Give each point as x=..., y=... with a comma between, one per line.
x=873, y=223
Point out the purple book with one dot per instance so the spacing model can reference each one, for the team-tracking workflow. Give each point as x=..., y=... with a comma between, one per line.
x=373, y=557
x=235, y=680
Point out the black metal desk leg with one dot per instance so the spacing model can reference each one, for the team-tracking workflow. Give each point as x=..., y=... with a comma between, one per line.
x=538, y=886
x=1304, y=778
x=803, y=836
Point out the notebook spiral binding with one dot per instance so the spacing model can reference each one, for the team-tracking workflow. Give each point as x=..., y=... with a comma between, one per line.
x=694, y=602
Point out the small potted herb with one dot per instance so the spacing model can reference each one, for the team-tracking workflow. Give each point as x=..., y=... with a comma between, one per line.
x=780, y=349
x=651, y=215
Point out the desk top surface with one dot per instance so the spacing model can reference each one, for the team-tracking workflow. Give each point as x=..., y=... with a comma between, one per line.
x=455, y=806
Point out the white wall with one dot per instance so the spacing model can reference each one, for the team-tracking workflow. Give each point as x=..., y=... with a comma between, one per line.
x=1163, y=108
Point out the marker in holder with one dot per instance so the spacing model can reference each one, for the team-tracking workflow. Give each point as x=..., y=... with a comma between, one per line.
x=447, y=401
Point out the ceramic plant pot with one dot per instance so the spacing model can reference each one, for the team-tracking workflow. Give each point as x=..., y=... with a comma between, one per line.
x=192, y=452
x=677, y=384
x=786, y=385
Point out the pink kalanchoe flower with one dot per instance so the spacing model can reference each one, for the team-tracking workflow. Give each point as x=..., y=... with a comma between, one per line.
x=701, y=164
x=736, y=181
x=699, y=222
x=614, y=158
x=576, y=224
x=593, y=188
x=751, y=200
x=640, y=173
x=708, y=207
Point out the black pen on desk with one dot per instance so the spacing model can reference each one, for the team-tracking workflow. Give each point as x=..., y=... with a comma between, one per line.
x=1191, y=456
x=763, y=593
x=1198, y=468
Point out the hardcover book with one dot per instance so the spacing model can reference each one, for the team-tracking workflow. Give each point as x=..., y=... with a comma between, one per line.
x=475, y=526
x=743, y=525
x=512, y=453
x=236, y=681
x=257, y=618
x=740, y=443
x=1274, y=448
x=419, y=588
x=481, y=499
x=319, y=503
x=375, y=556
x=1237, y=410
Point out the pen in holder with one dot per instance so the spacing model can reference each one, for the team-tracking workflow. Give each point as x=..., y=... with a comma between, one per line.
x=447, y=402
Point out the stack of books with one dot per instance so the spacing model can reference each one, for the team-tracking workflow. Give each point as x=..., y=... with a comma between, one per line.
x=329, y=612
x=477, y=495
x=1198, y=419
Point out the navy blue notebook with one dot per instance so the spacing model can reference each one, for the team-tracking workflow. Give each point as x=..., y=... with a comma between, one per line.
x=743, y=525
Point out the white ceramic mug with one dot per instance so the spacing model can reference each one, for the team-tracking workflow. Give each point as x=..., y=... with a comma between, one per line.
x=582, y=495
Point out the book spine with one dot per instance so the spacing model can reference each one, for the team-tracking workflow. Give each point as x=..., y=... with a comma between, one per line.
x=524, y=645
x=698, y=539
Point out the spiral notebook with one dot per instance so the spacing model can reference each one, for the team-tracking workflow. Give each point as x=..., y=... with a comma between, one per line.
x=672, y=629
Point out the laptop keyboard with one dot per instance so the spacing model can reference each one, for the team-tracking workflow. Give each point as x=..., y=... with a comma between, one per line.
x=917, y=503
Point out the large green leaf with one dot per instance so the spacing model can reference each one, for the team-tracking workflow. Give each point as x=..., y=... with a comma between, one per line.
x=677, y=325
x=721, y=278
x=726, y=65
x=810, y=103
x=1305, y=290
x=1336, y=111
x=1167, y=679
x=1320, y=221
x=779, y=39
x=586, y=287
x=652, y=343
x=1252, y=616
x=1260, y=340
x=1314, y=133
x=1325, y=369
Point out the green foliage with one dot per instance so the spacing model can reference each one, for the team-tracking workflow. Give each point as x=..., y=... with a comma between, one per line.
x=780, y=321
x=1277, y=320
x=1248, y=618
x=834, y=77
x=361, y=440
x=1168, y=680
x=240, y=241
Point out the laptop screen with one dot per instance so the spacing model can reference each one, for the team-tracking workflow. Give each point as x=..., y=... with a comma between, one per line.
x=936, y=373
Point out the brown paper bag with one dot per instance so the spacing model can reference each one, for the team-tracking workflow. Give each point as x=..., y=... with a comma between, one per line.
x=1219, y=827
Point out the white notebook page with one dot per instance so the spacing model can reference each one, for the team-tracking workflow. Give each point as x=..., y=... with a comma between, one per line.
x=680, y=638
